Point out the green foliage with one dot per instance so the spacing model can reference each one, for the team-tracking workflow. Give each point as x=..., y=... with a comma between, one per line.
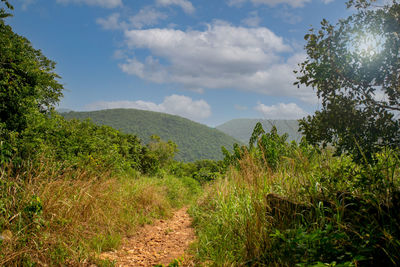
x=158, y=155
x=207, y=170
x=296, y=205
x=195, y=141
x=28, y=83
x=202, y=171
x=85, y=144
x=77, y=143
x=310, y=246
x=3, y=12
x=350, y=65
x=269, y=148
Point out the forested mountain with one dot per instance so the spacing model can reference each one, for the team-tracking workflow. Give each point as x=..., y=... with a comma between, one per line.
x=195, y=141
x=241, y=129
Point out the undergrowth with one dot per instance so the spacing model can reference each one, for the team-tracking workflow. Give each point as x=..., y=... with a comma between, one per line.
x=57, y=215
x=293, y=205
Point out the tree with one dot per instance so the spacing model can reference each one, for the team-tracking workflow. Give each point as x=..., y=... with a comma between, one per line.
x=28, y=83
x=354, y=66
x=3, y=12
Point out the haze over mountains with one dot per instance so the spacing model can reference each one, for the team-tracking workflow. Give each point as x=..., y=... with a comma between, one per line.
x=195, y=141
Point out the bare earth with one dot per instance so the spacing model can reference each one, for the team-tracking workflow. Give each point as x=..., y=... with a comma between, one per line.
x=159, y=243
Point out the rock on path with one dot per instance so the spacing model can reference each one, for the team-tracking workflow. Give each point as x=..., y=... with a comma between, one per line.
x=159, y=243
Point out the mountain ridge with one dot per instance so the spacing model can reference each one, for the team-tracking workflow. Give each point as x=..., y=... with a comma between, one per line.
x=195, y=140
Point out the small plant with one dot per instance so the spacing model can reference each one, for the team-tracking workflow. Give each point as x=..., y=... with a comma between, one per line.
x=174, y=263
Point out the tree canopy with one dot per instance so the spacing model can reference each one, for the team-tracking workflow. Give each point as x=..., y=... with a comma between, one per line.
x=28, y=82
x=354, y=66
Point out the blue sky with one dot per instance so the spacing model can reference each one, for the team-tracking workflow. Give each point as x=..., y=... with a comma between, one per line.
x=206, y=60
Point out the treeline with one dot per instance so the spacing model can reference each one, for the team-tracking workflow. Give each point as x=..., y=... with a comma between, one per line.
x=85, y=145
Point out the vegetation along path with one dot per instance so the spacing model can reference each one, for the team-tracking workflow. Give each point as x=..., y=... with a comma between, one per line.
x=159, y=243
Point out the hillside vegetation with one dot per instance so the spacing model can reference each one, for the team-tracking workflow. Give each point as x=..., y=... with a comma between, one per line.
x=195, y=141
x=241, y=129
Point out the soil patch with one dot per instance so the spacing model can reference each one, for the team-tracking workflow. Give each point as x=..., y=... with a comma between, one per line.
x=159, y=243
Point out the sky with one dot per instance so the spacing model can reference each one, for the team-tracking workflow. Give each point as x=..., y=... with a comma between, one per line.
x=206, y=60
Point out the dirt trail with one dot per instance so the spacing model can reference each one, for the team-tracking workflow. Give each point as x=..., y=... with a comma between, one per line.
x=159, y=243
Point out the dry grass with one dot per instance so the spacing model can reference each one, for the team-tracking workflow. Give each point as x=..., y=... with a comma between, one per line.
x=66, y=215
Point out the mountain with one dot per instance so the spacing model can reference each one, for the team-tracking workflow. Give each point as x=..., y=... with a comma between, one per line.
x=195, y=141
x=241, y=129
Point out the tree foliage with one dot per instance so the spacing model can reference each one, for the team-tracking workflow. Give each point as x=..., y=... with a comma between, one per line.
x=354, y=66
x=28, y=83
x=3, y=12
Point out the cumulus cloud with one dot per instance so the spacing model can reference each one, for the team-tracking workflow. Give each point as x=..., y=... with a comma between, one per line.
x=184, y=4
x=112, y=22
x=288, y=17
x=253, y=20
x=222, y=56
x=174, y=104
x=289, y=111
x=102, y=3
x=147, y=16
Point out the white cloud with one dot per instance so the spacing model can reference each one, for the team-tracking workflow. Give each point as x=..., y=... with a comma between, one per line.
x=288, y=17
x=253, y=20
x=112, y=22
x=289, y=111
x=174, y=104
x=102, y=3
x=184, y=4
x=147, y=16
x=222, y=56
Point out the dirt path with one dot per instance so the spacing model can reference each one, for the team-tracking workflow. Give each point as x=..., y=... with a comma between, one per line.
x=159, y=243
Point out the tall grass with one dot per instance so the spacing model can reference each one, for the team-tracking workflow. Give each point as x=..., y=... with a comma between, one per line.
x=309, y=209
x=56, y=215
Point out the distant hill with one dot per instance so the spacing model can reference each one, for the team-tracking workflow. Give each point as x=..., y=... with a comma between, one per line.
x=63, y=110
x=195, y=141
x=241, y=129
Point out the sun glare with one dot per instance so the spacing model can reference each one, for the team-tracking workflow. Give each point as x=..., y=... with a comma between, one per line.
x=368, y=44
